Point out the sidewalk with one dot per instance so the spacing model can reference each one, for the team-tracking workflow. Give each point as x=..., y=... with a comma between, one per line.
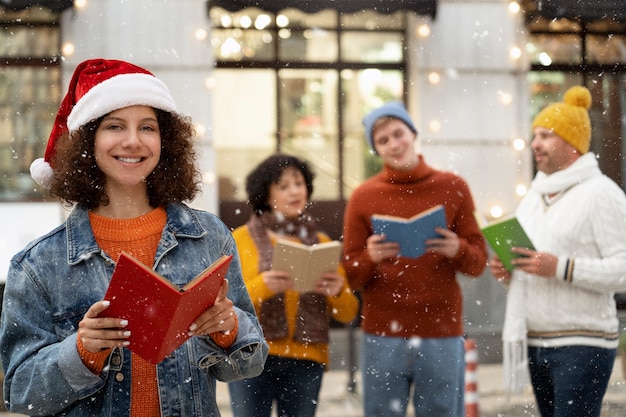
x=336, y=401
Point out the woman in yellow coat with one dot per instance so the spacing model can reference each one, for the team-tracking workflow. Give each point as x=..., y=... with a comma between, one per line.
x=296, y=325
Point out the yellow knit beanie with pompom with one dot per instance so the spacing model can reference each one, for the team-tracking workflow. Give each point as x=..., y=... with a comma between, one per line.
x=569, y=119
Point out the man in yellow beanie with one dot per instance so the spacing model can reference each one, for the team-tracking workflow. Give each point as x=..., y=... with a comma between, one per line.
x=561, y=322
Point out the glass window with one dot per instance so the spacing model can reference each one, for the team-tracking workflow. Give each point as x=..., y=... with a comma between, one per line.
x=28, y=104
x=541, y=24
x=27, y=42
x=309, y=45
x=243, y=45
x=548, y=87
x=606, y=49
x=301, y=90
x=608, y=122
x=363, y=91
x=600, y=66
x=372, y=47
x=370, y=20
x=244, y=126
x=294, y=18
x=250, y=18
x=29, y=97
x=549, y=49
x=308, y=120
x=607, y=26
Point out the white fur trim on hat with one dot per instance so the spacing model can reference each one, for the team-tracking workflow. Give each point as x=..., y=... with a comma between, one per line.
x=121, y=91
x=41, y=172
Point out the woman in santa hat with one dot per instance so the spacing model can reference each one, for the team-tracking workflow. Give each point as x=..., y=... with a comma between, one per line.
x=122, y=155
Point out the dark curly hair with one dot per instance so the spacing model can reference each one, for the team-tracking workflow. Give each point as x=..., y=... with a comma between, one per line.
x=268, y=172
x=77, y=179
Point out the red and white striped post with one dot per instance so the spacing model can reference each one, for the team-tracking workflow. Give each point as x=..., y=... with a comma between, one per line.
x=471, y=379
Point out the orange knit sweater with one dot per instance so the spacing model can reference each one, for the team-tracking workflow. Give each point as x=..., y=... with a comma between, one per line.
x=140, y=237
x=408, y=297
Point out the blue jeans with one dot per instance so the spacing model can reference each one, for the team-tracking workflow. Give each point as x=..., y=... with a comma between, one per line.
x=433, y=368
x=293, y=383
x=570, y=381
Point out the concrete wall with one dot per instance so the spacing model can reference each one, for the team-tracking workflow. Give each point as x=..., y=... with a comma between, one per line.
x=470, y=117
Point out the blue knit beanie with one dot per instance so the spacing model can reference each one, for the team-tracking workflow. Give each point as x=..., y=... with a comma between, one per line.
x=393, y=109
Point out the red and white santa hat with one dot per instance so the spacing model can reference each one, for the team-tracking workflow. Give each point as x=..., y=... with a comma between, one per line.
x=98, y=87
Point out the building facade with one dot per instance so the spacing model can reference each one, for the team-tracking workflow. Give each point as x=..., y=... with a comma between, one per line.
x=258, y=77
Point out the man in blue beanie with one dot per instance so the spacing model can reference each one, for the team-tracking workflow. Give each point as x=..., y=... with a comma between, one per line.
x=393, y=109
x=412, y=307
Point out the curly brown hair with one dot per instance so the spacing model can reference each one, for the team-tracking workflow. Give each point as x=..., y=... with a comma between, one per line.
x=77, y=178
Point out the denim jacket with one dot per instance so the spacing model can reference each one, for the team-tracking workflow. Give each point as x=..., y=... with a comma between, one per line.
x=56, y=278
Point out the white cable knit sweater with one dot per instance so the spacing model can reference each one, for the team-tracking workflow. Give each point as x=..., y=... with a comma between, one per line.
x=586, y=226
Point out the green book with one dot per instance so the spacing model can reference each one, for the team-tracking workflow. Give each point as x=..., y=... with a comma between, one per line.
x=502, y=235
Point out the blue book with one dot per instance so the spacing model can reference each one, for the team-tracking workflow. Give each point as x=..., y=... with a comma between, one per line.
x=413, y=232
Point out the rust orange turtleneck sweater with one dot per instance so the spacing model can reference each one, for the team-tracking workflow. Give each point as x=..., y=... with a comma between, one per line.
x=140, y=237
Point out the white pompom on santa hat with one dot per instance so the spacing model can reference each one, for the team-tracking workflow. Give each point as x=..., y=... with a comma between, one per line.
x=98, y=87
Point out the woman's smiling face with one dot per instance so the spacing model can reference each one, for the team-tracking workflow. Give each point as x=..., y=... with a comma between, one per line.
x=128, y=146
x=289, y=194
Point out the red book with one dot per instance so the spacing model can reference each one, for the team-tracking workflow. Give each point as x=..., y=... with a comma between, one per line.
x=159, y=313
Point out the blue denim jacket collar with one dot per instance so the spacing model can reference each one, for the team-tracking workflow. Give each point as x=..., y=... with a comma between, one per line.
x=81, y=243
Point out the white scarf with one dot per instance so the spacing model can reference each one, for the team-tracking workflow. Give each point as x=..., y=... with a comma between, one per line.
x=580, y=170
x=515, y=346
